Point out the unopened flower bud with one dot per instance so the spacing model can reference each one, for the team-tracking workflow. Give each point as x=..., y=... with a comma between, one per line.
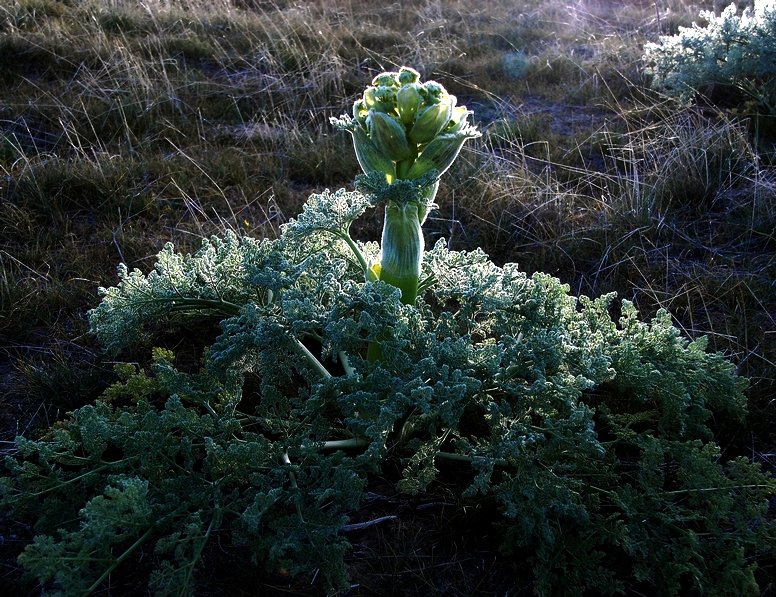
x=408, y=75
x=385, y=99
x=406, y=129
x=387, y=79
x=430, y=121
x=433, y=91
x=408, y=100
x=360, y=110
x=438, y=155
x=369, y=97
x=370, y=157
x=388, y=135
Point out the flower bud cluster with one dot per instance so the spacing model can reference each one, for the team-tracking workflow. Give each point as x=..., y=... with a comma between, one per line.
x=406, y=135
x=404, y=129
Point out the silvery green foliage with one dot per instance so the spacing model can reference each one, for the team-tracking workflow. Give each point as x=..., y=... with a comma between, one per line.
x=328, y=212
x=733, y=50
x=215, y=279
x=587, y=435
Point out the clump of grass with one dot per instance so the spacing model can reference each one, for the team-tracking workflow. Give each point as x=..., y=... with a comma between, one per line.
x=64, y=378
x=683, y=157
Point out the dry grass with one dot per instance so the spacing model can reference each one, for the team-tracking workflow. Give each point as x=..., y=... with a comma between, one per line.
x=124, y=125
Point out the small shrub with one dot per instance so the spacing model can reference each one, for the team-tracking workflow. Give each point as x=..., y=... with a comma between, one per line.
x=732, y=59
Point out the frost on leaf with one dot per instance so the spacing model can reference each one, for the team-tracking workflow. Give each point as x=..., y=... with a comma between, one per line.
x=327, y=211
x=214, y=280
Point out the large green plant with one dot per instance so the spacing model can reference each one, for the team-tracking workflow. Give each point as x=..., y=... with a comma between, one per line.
x=588, y=436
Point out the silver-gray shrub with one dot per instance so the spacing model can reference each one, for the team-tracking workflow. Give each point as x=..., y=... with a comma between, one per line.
x=733, y=54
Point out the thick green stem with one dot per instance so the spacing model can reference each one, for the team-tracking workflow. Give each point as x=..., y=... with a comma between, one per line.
x=402, y=254
x=292, y=476
x=345, y=362
x=311, y=358
x=345, y=444
x=468, y=459
x=402, y=247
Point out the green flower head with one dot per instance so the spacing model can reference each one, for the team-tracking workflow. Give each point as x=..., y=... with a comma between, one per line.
x=405, y=128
